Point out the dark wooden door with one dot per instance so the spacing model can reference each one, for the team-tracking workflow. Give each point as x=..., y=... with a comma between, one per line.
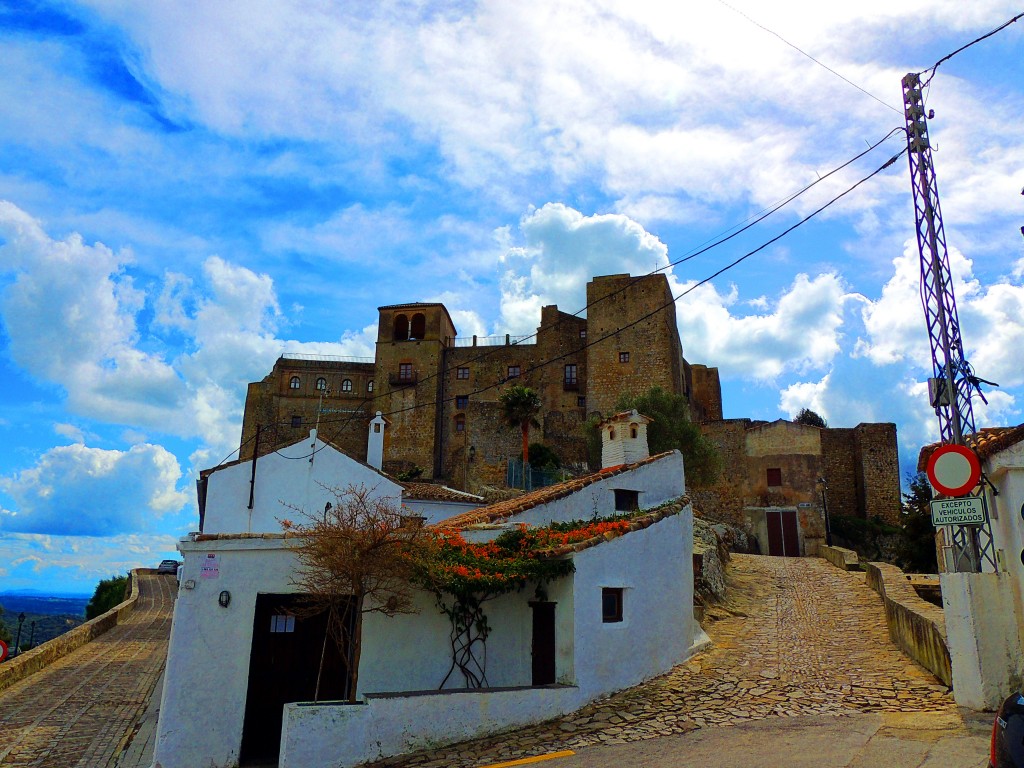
x=543, y=643
x=783, y=539
x=286, y=652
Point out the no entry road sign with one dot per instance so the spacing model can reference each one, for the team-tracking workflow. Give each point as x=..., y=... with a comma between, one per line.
x=953, y=470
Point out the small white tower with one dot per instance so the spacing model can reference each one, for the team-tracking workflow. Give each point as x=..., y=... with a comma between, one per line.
x=375, y=441
x=624, y=439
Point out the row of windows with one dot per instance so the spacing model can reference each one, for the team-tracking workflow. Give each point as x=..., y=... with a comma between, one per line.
x=514, y=371
x=321, y=384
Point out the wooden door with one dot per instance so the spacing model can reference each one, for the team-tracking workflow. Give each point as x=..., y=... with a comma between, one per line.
x=543, y=646
x=783, y=538
x=286, y=653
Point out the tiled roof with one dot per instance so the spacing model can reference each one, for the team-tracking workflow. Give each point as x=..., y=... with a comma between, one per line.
x=233, y=536
x=434, y=492
x=503, y=510
x=645, y=520
x=986, y=442
x=626, y=416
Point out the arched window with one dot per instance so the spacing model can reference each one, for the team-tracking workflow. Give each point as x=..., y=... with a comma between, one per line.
x=294, y=383
x=611, y=434
x=321, y=384
x=632, y=431
x=369, y=387
x=419, y=326
x=401, y=328
x=346, y=385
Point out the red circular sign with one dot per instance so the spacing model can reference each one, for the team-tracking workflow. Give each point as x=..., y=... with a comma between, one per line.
x=954, y=470
x=3, y=650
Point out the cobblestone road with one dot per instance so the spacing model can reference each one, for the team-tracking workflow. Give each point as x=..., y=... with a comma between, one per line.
x=83, y=709
x=797, y=637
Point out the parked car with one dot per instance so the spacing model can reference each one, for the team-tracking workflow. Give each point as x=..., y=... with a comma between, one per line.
x=1007, y=750
x=167, y=566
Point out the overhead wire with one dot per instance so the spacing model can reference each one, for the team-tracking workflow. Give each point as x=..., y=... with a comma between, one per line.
x=963, y=48
x=812, y=58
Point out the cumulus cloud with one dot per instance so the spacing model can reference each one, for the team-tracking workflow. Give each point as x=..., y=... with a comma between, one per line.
x=75, y=490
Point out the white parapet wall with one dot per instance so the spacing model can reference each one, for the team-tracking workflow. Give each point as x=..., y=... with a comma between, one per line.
x=338, y=735
x=984, y=634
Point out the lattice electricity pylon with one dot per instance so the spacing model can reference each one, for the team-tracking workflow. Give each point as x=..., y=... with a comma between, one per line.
x=952, y=384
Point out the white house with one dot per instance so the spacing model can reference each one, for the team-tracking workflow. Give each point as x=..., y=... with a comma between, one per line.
x=242, y=667
x=984, y=612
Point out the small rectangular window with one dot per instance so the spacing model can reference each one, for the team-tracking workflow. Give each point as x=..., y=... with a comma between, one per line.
x=462, y=373
x=774, y=477
x=405, y=371
x=583, y=333
x=460, y=423
x=611, y=604
x=626, y=501
x=284, y=622
x=462, y=402
x=296, y=422
x=570, y=373
x=513, y=371
x=581, y=402
x=623, y=357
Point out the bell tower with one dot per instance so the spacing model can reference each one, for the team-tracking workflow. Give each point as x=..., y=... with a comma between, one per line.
x=411, y=342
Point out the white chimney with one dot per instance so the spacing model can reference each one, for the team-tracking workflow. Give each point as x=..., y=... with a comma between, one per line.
x=375, y=441
x=623, y=439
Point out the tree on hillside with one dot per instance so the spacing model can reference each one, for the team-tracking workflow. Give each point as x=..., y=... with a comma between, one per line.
x=357, y=558
x=917, y=547
x=521, y=406
x=670, y=429
x=810, y=418
x=109, y=592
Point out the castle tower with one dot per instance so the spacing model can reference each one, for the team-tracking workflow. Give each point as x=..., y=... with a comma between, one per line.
x=411, y=341
x=647, y=354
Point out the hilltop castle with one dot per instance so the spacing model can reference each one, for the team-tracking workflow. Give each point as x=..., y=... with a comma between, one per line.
x=439, y=395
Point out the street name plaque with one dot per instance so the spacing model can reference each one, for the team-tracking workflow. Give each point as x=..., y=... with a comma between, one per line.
x=967, y=510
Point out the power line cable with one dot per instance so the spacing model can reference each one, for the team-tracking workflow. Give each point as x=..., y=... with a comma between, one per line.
x=962, y=48
x=809, y=56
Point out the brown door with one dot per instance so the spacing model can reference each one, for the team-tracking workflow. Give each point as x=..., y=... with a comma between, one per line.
x=543, y=643
x=286, y=653
x=783, y=539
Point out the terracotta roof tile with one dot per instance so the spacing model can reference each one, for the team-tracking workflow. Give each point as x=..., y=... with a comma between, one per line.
x=986, y=442
x=434, y=492
x=645, y=520
x=503, y=510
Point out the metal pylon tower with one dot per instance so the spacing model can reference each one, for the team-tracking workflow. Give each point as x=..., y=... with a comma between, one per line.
x=952, y=382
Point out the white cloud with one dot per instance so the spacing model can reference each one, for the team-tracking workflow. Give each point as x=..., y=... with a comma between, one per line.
x=70, y=431
x=79, y=491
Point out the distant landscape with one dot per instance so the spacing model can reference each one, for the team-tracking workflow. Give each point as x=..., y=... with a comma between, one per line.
x=53, y=614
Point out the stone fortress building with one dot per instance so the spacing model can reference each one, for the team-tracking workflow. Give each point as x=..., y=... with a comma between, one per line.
x=439, y=395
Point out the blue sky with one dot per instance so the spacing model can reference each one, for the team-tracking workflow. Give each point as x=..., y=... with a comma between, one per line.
x=188, y=189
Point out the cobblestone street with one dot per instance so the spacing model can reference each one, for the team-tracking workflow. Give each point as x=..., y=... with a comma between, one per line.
x=798, y=637
x=82, y=710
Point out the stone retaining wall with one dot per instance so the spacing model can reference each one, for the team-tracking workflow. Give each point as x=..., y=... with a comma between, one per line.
x=43, y=655
x=844, y=559
x=915, y=625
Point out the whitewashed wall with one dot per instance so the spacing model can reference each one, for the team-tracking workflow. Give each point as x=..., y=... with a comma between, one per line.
x=202, y=707
x=281, y=481
x=985, y=611
x=654, y=566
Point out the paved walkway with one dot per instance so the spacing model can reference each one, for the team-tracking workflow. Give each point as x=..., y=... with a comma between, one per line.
x=798, y=637
x=84, y=709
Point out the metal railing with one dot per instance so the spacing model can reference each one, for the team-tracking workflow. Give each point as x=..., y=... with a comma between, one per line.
x=489, y=341
x=327, y=358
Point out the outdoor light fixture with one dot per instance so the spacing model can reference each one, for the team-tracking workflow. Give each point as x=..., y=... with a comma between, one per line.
x=224, y=600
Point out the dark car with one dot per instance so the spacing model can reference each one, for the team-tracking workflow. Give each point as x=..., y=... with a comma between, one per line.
x=1007, y=749
x=167, y=566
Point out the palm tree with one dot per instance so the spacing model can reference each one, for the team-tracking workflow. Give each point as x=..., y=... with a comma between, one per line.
x=521, y=405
